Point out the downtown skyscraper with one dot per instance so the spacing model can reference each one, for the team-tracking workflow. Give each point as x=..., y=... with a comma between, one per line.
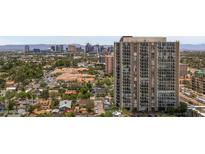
x=146, y=73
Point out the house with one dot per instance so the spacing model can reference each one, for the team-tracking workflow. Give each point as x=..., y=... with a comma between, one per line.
x=10, y=83
x=99, y=91
x=22, y=112
x=2, y=92
x=38, y=91
x=83, y=111
x=10, y=88
x=82, y=102
x=65, y=105
x=71, y=92
x=98, y=107
x=106, y=104
x=55, y=111
x=2, y=107
x=44, y=104
x=28, y=90
x=23, y=104
x=36, y=86
x=77, y=109
x=41, y=112
x=53, y=93
x=82, y=64
x=116, y=114
x=92, y=98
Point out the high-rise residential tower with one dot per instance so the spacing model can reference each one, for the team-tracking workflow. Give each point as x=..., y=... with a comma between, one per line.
x=72, y=49
x=146, y=73
x=109, y=64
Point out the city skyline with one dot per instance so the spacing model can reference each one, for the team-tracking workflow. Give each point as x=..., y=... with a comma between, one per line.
x=105, y=40
x=137, y=76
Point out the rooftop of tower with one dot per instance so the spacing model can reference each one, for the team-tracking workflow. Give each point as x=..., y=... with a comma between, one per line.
x=142, y=39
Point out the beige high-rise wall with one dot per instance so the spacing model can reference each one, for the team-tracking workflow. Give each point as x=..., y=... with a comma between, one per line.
x=146, y=73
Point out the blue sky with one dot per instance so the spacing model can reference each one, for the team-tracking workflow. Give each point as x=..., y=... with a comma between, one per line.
x=83, y=39
x=57, y=39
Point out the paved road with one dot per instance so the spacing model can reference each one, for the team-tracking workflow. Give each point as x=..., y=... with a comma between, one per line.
x=188, y=99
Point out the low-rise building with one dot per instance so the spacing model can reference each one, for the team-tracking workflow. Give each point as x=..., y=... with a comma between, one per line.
x=10, y=88
x=71, y=92
x=107, y=105
x=198, y=82
x=183, y=70
x=2, y=106
x=22, y=112
x=65, y=105
x=44, y=104
x=116, y=114
x=24, y=104
x=10, y=83
x=99, y=91
x=196, y=111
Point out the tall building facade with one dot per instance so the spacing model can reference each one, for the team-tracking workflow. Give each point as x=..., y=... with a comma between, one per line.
x=72, y=49
x=146, y=73
x=57, y=48
x=53, y=48
x=109, y=64
x=88, y=48
x=26, y=48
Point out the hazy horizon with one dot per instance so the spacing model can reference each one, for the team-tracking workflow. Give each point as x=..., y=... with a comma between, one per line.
x=105, y=40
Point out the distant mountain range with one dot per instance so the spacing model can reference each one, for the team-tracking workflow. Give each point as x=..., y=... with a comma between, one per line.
x=193, y=47
x=186, y=47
